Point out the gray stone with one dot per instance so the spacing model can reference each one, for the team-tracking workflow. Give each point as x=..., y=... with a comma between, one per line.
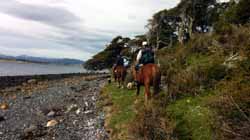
x=30, y=129
x=72, y=107
x=31, y=81
x=2, y=118
x=51, y=114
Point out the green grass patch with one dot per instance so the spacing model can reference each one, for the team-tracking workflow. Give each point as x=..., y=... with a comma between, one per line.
x=194, y=120
x=123, y=111
x=199, y=60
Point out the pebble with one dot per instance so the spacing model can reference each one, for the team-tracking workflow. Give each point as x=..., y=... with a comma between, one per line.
x=2, y=118
x=51, y=114
x=14, y=97
x=43, y=108
x=72, y=107
x=51, y=123
x=74, y=122
x=30, y=129
x=4, y=106
x=86, y=103
x=31, y=81
x=78, y=111
x=88, y=111
x=26, y=97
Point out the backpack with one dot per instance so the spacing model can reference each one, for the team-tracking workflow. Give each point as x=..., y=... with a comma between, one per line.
x=147, y=57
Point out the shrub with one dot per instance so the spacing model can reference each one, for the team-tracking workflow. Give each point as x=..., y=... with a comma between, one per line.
x=152, y=123
x=245, y=65
x=217, y=72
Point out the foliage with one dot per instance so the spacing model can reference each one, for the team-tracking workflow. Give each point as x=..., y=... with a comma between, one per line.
x=218, y=63
x=238, y=13
x=194, y=120
x=107, y=57
x=206, y=80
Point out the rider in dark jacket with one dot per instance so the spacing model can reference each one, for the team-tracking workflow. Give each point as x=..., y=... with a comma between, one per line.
x=119, y=61
x=145, y=56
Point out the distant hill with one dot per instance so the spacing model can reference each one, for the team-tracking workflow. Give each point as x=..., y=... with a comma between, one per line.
x=26, y=58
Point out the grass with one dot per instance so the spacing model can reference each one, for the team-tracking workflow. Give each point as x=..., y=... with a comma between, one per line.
x=197, y=59
x=194, y=120
x=122, y=112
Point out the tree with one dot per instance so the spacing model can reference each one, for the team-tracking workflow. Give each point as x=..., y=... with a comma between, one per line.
x=239, y=13
x=107, y=57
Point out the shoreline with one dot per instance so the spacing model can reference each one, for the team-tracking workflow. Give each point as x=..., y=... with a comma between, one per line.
x=33, y=62
x=12, y=60
x=63, y=108
x=10, y=81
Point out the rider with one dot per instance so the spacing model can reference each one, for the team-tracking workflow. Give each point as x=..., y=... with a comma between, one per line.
x=126, y=61
x=119, y=61
x=144, y=56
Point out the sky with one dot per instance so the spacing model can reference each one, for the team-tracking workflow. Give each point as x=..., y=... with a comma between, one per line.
x=71, y=28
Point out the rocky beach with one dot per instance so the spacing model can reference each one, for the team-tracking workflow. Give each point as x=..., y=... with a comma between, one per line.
x=59, y=109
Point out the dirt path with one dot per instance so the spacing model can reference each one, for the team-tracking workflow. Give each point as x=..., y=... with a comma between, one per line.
x=69, y=105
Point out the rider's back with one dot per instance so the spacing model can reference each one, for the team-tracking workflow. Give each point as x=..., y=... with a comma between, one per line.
x=147, y=56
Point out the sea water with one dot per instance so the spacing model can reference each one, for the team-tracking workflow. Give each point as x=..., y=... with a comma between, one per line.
x=13, y=68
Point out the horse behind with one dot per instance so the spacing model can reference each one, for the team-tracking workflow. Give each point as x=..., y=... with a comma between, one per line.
x=119, y=73
x=148, y=75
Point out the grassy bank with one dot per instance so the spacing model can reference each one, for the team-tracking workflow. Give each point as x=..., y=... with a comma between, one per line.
x=119, y=107
x=193, y=119
x=206, y=97
x=127, y=118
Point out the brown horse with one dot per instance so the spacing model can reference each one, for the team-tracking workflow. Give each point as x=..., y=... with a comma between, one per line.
x=113, y=73
x=148, y=75
x=119, y=73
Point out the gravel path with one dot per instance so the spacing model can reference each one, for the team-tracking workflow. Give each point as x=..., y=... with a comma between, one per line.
x=61, y=110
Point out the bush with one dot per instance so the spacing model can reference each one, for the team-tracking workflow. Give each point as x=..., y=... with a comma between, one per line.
x=245, y=65
x=152, y=123
x=217, y=72
x=223, y=28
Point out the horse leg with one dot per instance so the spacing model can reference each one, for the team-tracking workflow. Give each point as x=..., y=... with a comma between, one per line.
x=122, y=81
x=138, y=89
x=115, y=77
x=119, y=82
x=147, y=92
x=122, y=84
x=156, y=87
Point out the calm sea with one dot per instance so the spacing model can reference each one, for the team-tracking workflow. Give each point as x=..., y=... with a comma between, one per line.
x=9, y=68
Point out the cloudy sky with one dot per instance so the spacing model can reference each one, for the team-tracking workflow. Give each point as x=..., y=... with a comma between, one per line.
x=71, y=28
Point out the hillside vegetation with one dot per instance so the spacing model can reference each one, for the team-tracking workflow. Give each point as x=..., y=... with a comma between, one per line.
x=206, y=74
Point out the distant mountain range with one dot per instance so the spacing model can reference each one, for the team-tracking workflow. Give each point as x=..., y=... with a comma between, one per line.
x=31, y=59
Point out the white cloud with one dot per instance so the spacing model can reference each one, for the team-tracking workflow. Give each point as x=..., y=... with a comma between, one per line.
x=28, y=28
x=71, y=28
